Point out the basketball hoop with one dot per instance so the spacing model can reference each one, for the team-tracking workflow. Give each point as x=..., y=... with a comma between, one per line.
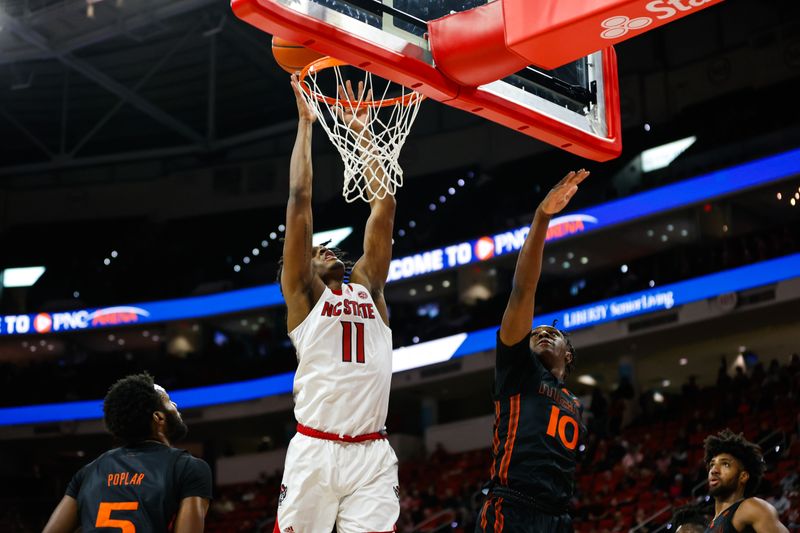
x=369, y=152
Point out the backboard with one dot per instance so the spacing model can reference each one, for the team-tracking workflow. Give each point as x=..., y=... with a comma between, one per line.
x=574, y=107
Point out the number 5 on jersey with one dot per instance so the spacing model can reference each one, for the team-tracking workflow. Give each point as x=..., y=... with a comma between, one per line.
x=558, y=424
x=104, y=516
x=347, y=341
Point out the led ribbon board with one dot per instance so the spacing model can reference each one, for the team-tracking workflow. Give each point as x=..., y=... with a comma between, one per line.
x=688, y=192
x=702, y=188
x=454, y=346
x=143, y=313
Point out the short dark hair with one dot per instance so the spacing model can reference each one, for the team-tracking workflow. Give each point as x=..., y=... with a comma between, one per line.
x=340, y=254
x=129, y=406
x=568, y=340
x=748, y=453
x=690, y=514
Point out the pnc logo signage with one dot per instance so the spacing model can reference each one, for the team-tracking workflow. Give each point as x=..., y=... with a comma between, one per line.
x=620, y=25
x=43, y=323
x=484, y=248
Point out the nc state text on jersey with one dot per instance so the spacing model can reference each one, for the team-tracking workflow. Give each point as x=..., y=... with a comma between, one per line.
x=349, y=307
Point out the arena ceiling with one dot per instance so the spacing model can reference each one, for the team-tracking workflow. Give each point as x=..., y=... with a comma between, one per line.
x=86, y=82
x=137, y=77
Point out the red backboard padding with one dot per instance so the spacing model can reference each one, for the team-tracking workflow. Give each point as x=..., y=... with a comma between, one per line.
x=414, y=72
x=470, y=47
x=497, y=39
x=551, y=33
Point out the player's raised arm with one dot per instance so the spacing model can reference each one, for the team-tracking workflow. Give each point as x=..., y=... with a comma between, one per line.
x=372, y=269
x=518, y=316
x=296, y=275
x=65, y=517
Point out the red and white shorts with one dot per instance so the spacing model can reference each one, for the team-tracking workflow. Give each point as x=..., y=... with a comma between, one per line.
x=353, y=485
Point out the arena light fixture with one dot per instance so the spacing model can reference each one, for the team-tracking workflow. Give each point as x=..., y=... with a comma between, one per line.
x=335, y=236
x=21, y=277
x=662, y=156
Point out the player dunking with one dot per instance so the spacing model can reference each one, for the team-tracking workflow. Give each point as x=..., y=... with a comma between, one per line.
x=537, y=420
x=735, y=468
x=146, y=486
x=340, y=469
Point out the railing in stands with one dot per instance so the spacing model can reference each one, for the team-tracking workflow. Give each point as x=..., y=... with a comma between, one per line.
x=436, y=523
x=651, y=518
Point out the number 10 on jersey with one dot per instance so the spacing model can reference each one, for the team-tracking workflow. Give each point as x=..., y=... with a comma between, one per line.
x=347, y=341
x=557, y=428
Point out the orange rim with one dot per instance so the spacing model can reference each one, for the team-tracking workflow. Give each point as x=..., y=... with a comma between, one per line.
x=329, y=62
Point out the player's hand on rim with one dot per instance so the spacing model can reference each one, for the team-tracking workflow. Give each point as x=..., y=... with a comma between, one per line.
x=304, y=110
x=348, y=110
x=563, y=191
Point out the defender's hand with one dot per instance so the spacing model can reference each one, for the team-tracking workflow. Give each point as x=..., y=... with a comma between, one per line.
x=560, y=195
x=304, y=111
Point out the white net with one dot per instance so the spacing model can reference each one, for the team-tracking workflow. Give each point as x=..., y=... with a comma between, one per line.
x=368, y=132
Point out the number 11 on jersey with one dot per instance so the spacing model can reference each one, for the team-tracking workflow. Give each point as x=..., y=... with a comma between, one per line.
x=347, y=341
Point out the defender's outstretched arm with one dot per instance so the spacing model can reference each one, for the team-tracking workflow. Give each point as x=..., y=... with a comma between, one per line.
x=518, y=316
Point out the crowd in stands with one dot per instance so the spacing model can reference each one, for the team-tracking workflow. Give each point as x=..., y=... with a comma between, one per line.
x=642, y=459
x=630, y=474
x=220, y=357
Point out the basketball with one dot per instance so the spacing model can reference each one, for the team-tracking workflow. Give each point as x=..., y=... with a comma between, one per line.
x=561, y=208
x=291, y=56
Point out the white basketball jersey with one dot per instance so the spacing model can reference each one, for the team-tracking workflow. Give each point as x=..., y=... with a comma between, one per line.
x=344, y=370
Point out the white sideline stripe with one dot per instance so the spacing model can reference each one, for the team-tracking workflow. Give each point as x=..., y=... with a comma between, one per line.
x=426, y=353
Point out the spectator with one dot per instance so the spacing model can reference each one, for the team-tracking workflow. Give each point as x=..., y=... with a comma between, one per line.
x=779, y=500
